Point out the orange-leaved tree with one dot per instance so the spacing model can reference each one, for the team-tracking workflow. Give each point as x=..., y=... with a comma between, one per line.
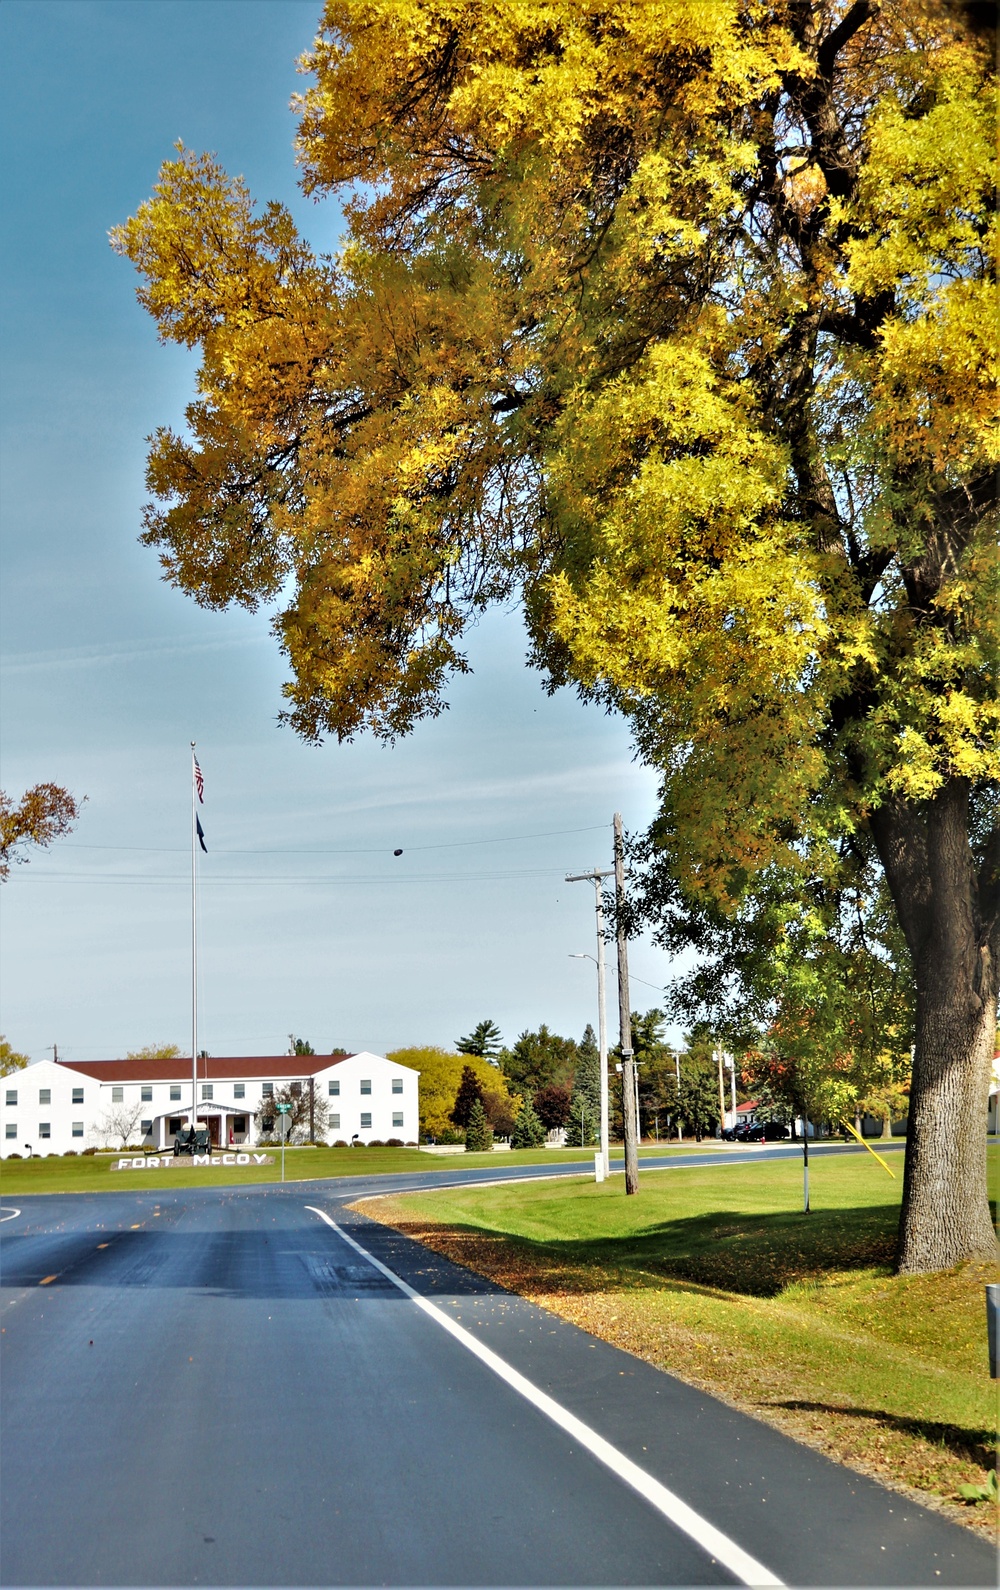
x=44, y=813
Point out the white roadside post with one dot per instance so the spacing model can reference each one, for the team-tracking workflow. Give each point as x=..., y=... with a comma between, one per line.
x=730, y=1062
x=283, y=1110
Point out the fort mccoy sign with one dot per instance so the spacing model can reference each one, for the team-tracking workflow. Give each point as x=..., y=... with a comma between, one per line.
x=172, y=1161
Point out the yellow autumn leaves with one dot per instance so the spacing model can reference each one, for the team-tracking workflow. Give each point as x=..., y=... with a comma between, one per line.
x=669, y=314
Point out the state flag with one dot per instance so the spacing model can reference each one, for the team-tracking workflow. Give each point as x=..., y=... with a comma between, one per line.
x=201, y=833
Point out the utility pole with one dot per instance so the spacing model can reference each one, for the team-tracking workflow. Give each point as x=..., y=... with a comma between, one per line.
x=55, y=1051
x=625, y=1020
x=596, y=877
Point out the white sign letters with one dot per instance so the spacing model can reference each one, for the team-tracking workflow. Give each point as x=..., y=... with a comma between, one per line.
x=173, y=1161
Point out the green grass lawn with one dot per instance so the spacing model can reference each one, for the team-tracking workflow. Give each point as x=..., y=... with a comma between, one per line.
x=717, y=1275
x=92, y=1173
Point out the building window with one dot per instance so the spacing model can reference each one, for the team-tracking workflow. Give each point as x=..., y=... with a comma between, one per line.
x=10, y=1130
x=240, y=1090
x=208, y=1090
x=239, y=1123
x=335, y=1123
x=77, y=1095
x=45, y=1095
x=147, y=1128
x=296, y=1090
x=366, y=1121
x=366, y=1085
x=77, y=1129
x=175, y=1092
x=174, y=1124
x=334, y=1088
x=397, y=1084
x=45, y=1128
x=268, y=1090
x=146, y=1095
x=11, y=1095
x=118, y=1094
x=397, y=1119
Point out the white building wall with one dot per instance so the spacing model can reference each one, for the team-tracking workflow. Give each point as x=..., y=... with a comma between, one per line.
x=52, y=1107
x=76, y=1110
x=379, y=1114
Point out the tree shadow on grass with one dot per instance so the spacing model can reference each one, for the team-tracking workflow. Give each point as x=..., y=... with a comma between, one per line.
x=974, y=1446
x=756, y=1255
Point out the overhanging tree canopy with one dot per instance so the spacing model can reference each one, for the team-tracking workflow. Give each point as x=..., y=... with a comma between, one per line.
x=678, y=319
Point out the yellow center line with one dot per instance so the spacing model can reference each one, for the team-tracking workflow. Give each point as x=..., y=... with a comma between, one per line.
x=47, y=1279
x=101, y=1245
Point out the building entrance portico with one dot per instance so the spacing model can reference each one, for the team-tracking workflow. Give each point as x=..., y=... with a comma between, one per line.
x=228, y=1124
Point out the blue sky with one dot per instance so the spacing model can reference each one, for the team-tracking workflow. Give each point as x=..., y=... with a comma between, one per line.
x=309, y=924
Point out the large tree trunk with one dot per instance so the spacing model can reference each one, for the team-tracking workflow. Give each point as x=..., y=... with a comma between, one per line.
x=945, y=1218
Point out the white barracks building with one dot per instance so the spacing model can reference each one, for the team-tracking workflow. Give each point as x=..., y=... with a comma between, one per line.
x=52, y=1106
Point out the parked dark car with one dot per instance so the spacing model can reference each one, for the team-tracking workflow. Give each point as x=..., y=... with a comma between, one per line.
x=764, y=1132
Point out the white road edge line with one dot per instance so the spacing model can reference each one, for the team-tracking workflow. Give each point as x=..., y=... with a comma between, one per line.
x=677, y=1512
x=8, y=1213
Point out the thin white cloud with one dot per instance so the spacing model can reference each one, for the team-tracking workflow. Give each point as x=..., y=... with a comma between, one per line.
x=114, y=652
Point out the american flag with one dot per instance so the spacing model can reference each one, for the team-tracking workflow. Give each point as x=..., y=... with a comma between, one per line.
x=199, y=782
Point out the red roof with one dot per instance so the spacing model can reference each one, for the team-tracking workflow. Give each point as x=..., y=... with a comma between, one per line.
x=218, y=1068
x=744, y=1109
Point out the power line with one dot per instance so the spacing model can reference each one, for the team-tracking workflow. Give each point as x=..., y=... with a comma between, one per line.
x=140, y=880
x=370, y=850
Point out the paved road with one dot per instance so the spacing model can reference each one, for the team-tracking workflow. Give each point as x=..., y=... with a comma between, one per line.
x=222, y=1387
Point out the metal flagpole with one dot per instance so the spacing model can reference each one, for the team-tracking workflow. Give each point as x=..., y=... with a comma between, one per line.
x=194, y=946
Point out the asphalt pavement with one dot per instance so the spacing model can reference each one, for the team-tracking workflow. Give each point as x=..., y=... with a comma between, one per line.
x=256, y=1386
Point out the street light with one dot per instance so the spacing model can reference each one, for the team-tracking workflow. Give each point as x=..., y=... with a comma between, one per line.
x=602, y=1028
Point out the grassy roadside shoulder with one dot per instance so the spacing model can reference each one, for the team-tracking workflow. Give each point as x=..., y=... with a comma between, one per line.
x=719, y=1278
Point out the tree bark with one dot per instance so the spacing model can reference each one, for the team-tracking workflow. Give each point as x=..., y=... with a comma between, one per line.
x=927, y=855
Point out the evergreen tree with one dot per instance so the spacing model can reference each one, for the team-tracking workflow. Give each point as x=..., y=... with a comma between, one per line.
x=484, y=1040
x=470, y=1093
x=584, y=1124
x=539, y=1060
x=479, y=1132
x=528, y=1130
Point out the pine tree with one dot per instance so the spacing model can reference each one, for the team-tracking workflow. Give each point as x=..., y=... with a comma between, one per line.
x=479, y=1132
x=528, y=1130
x=470, y=1092
x=483, y=1040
